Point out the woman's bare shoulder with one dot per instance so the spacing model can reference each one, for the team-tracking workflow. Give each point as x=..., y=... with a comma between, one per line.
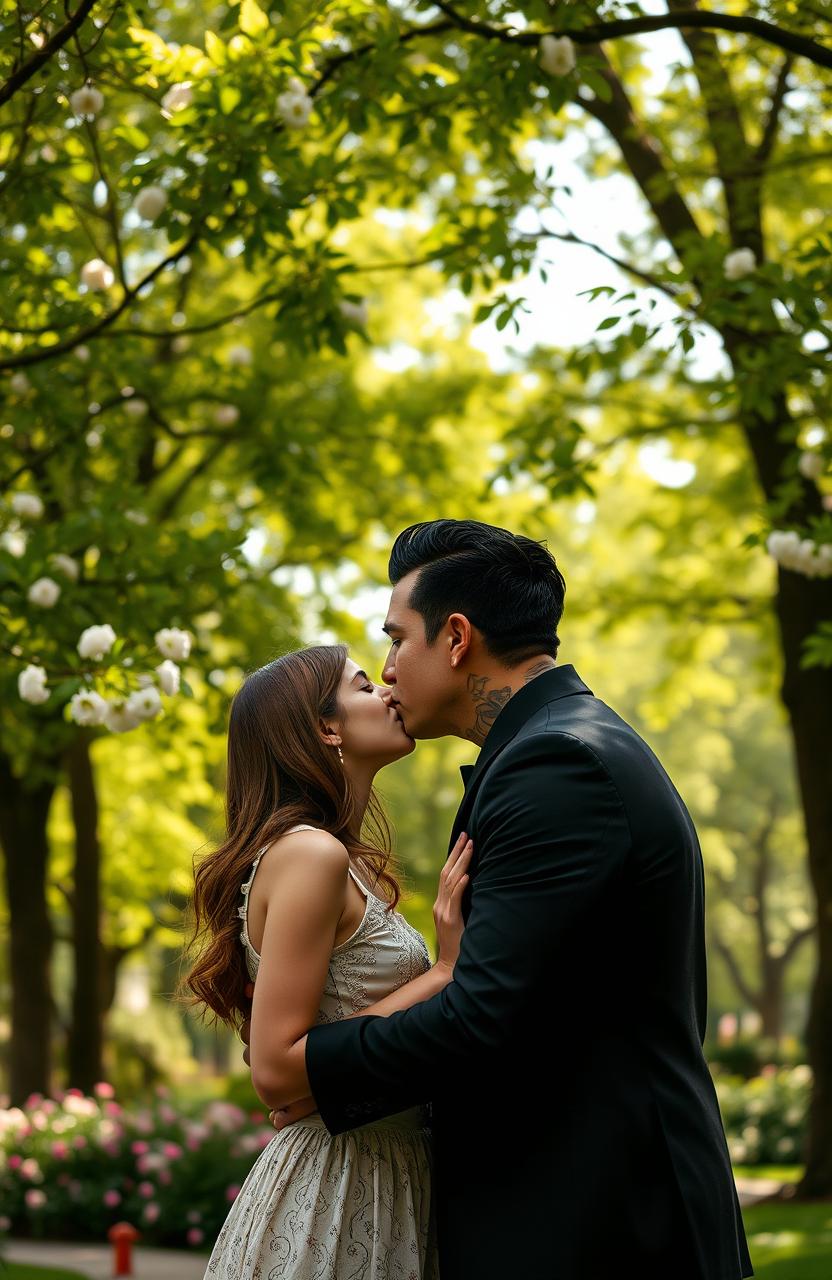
x=318, y=854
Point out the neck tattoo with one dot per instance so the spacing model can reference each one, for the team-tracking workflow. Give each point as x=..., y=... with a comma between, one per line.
x=488, y=703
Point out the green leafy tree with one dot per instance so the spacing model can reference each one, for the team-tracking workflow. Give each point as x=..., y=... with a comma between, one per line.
x=255, y=142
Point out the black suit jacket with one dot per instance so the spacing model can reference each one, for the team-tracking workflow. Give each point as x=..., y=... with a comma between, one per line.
x=576, y=1127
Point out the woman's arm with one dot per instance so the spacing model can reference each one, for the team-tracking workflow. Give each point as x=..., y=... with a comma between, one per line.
x=306, y=887
x=422, y=988
x=306, y=893
x=447, y=916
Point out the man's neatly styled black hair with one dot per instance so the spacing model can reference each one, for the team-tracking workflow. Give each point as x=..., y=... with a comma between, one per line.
x=509, y=587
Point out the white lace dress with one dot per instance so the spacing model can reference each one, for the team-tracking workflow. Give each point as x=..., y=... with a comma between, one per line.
x=357, y=1205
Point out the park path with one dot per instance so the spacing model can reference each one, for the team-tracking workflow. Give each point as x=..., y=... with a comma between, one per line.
x=95, y=1260
x=750, y=1190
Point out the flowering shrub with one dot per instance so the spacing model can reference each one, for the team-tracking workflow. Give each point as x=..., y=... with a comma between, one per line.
x=72, y=1165
x=765, y=1117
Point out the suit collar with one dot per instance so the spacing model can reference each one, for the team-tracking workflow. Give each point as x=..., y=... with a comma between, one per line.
x=560, y=682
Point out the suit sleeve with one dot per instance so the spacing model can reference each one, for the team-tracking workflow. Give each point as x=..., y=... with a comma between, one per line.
x=550, y=837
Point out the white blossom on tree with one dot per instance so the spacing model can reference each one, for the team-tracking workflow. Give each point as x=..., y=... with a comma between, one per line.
x=119, y=717
x=178, y=97
x=800, y=555
x=739, y=263
x=557, y=55
x=135, y=407
x=144, y=703
x=173, y=643
x=96, y=275
x=225, y=415
x=811, y=465
x=31, y=685
x=150, y=202
x=294, y=105
x=13, y=541
x=65, y=565
x=96, y=641
x=239, y=354
x=44, y=592
x=86, y=101
x=88, y=707
x=27, y=505
x=168, y=674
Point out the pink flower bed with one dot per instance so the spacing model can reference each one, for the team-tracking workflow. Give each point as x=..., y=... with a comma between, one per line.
x=72, y=1165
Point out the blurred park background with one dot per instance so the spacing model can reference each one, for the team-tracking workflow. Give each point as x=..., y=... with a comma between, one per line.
x=278, y=281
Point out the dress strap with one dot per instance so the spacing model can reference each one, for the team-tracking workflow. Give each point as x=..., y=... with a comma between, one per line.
x=245, y=889
x=364, y=890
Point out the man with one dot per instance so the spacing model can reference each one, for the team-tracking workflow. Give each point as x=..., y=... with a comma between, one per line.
x=577, y=1134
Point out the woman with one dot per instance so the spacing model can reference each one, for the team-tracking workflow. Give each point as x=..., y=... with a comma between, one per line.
x=297, y=899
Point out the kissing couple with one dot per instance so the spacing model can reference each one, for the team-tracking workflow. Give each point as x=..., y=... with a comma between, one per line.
x=535, y=1104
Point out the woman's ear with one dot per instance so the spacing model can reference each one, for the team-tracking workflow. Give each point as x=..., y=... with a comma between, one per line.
x=330, y=735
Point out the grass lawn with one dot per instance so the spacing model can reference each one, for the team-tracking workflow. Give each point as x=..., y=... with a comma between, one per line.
x=790, y=1241
x=778, y=1172
x=22, y=1271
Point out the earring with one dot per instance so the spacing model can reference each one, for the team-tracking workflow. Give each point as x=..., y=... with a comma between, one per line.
x=340, y=755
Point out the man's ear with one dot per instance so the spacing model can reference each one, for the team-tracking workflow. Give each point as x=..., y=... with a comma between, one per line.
x=459, y=635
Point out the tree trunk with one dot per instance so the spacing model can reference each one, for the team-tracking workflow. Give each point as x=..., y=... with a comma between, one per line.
x=24, y=810
x=801, y=605
x=770, y=1006
x=110, y=960
x=84, y=1052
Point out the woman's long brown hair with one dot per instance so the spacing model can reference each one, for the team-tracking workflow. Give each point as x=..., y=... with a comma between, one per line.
x=280, y=773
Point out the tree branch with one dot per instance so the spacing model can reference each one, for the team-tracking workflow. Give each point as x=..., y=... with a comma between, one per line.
x=795, y=941
x=628, y=267
x=748, y=995
x=643, y=158
x=57, y=41
x=112, y=211
x=682, y=19
x=103, y=322
x=206, y=461
x=767, y=141
x=727, y=136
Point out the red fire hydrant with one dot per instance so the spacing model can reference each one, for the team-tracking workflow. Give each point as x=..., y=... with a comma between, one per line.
x=123, y=1236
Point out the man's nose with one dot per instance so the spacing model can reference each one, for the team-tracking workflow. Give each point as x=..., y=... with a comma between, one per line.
x=388, y=675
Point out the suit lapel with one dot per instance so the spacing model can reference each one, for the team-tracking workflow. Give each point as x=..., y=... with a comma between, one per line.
x=560, y=682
